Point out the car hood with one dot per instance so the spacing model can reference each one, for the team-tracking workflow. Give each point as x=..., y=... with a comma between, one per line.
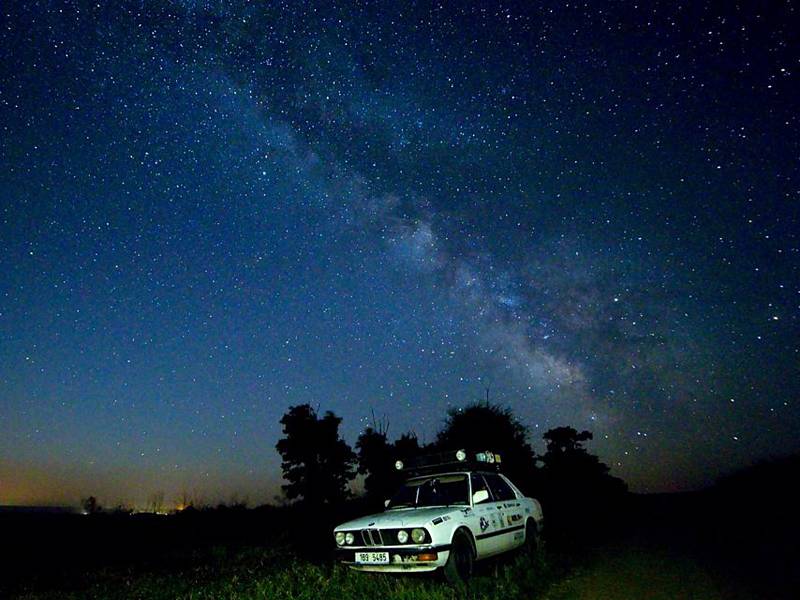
x=401, y=517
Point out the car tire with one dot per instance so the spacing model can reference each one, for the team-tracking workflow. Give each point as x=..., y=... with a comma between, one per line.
x=458, y=568
x=532, y=542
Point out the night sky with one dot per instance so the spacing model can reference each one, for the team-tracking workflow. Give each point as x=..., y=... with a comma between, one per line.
x=211, y=211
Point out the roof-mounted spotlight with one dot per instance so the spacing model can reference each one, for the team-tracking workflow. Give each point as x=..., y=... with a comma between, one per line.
x=461, y=456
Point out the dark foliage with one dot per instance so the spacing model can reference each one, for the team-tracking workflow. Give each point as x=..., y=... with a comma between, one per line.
x=574, y=485
x=774, y=479
x=376, y=457
x=91, y=506
x=406, y=446
x=485, y=426
x=577, y=489
x=756, y=508
x=317, y=463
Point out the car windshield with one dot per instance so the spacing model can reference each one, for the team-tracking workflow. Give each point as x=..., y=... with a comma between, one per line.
x=436, y=490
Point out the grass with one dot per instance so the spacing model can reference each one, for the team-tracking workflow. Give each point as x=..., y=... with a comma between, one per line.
x=668, y=549
x=272, y=574
x=638, y=573
x=624, y=572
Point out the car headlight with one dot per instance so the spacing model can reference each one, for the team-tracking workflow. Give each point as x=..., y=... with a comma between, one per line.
x=402, y=536
x=349, y=538
x=339, y=538
x=418, y=535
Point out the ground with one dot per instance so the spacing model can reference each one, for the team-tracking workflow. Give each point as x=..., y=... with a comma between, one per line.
x=622, y=571
x=669, y=547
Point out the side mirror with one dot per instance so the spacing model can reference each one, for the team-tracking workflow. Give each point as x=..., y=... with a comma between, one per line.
x=386, y=503
x=480, y=496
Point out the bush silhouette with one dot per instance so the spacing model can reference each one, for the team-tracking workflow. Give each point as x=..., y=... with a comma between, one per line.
x=484, y=426
x=578, y=490
x=376, y=458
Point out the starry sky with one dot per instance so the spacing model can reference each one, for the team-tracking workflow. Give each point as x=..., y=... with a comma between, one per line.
x=211, y=211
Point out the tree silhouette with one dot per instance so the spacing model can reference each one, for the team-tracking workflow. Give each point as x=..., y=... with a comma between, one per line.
x=91, y=506
x=375, y=455
x=155, y=503
x=485, y=426
x=406, y=447
x=317, y=463
x=577, y=487
x=563, y=441
x=376, y=458
x=568, y=464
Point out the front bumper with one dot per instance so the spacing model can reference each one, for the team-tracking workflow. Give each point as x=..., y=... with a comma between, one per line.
x=400, y=559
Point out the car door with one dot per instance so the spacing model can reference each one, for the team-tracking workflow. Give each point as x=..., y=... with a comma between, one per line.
x=510, y=513
x=489, y=517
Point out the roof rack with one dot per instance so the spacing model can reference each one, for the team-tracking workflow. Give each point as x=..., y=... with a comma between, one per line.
x=447, y=460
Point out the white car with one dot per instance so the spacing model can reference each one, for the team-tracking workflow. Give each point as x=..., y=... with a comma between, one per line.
x=443, y=518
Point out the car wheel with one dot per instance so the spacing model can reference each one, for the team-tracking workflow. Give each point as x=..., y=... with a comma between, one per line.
x=531, y=538
x=458, y=568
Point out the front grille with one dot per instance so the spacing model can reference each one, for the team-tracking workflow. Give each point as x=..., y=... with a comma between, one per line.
x=385, y=537
x=372, y=537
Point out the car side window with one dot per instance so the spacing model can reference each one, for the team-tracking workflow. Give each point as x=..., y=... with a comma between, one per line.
x=479, y=484
x=500, y=489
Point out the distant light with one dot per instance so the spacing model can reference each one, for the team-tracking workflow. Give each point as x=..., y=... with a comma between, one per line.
x=489, y=457
x=461, y=456
x=398, y=465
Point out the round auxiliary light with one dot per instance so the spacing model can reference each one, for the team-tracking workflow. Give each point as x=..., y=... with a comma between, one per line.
x=461, y=456
x=402, y=536
x=418, y=535
x=339, y=538
x=398, y=465
x=349, y=538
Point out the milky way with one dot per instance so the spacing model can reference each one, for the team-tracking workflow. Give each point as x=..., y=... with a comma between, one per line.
x=212, y=211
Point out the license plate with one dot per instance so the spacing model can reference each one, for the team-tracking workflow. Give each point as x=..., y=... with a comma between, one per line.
x=372, y=558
